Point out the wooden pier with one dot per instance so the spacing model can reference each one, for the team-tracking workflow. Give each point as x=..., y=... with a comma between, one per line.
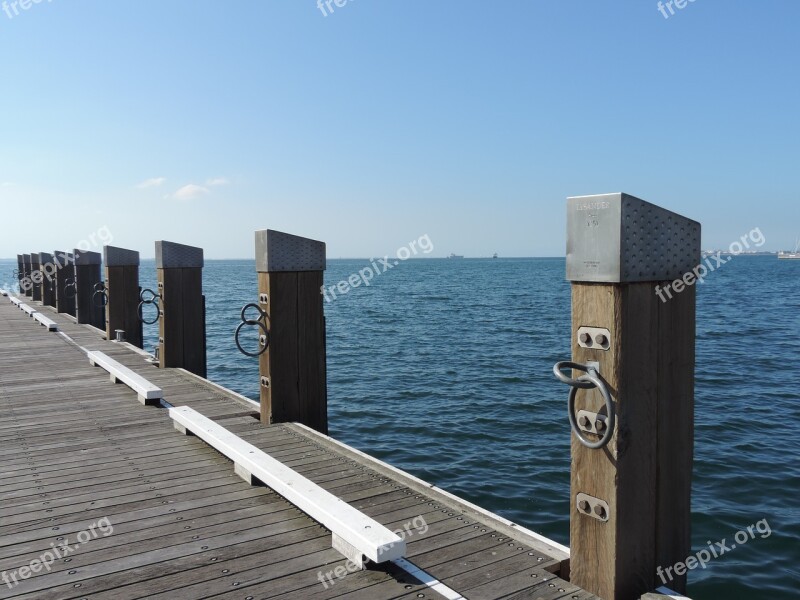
x=77, y=449
x=130, y=475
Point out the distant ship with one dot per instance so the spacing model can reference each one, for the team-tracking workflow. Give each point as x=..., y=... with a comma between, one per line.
x=794, y=255
x=494, y=255
x=455, y=256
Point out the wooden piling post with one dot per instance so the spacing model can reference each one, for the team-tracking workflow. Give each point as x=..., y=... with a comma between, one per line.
x=20, y=272
x=65, y=280
x=630, y=501
x=27, y=283
x=87, y=275
x=36, y=278
x=122, y=283
x=48, y=270
x=181, y=326
x=293, y=368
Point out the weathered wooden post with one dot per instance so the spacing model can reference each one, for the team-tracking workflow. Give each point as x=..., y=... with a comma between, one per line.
x=122, y=283
x=65, y=282
x=27, y=283
x=48, y=270
x=633, y=338
x=36, y=278
x=87, y=275
x=20, y=272
x=181, y=326
x=293, y=367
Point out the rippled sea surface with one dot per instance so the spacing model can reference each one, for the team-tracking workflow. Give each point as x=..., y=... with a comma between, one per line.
x=443, y=368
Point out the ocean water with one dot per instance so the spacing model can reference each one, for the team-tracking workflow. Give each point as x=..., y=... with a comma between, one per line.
x=443, y=368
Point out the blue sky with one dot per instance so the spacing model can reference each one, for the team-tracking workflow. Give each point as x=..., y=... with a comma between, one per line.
x=200, y=122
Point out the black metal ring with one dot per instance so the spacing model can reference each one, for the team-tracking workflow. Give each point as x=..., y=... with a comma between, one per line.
x=152, y=299
x=140, y=312
x=251, y=322
x=103, y=295
x=69, y=285
x=262, y=313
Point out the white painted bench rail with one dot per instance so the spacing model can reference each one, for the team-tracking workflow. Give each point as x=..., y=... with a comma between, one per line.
x=354, y=534
x=49, y=323
x=148, y=392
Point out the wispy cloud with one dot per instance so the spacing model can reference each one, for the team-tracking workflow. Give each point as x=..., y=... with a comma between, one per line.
x=6, y=184
x=152, y=182
x=217, y=181
x=191, y=191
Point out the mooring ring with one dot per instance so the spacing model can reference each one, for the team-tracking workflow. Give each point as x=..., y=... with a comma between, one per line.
x=593, y=379
x=152, y=299
x=265, y=335
x=262, y=313
x=69, y=284
x=558, y=371
x=103, y=302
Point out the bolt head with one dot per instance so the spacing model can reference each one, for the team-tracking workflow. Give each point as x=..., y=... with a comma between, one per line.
x=600, y=425
x=584, y=421
x=601, y=339
x=600, y=511
x=584, y=506
x=585, y=338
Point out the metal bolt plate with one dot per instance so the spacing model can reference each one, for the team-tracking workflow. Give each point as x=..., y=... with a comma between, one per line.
x=263, y=298
x=265, y=382
x=592, y=507
x=597, y=338
x=592, y=422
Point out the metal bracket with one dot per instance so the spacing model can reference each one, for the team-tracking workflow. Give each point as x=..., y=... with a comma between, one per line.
x=596, y=338
x=349, y=551
x=592, y=507
x=265, y=382
x=263, y=298
x=591, y=422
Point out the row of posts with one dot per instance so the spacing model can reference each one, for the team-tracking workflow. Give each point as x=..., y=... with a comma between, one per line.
x=289, y=323
x=631, y=401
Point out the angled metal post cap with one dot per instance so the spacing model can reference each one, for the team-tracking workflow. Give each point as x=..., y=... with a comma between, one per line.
x=45, y=258
x=170, y=255
x=278, y=251
x=34, y=258
x=85, y=257
x=120, y=257
x=618, y=238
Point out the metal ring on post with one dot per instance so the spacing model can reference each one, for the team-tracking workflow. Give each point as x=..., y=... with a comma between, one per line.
x=152, y=300
x=69, y=284
x=263, y=339
x=590, y=379
x=100, y=289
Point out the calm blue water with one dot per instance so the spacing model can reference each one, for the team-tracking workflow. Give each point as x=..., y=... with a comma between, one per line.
x=443, y=368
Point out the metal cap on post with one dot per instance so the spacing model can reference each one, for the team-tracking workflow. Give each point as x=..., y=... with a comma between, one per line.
x=292, y=360
x=48, y=270
x=632, y=407
x=121, y=294
x=87, y=276
x=182, y=327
